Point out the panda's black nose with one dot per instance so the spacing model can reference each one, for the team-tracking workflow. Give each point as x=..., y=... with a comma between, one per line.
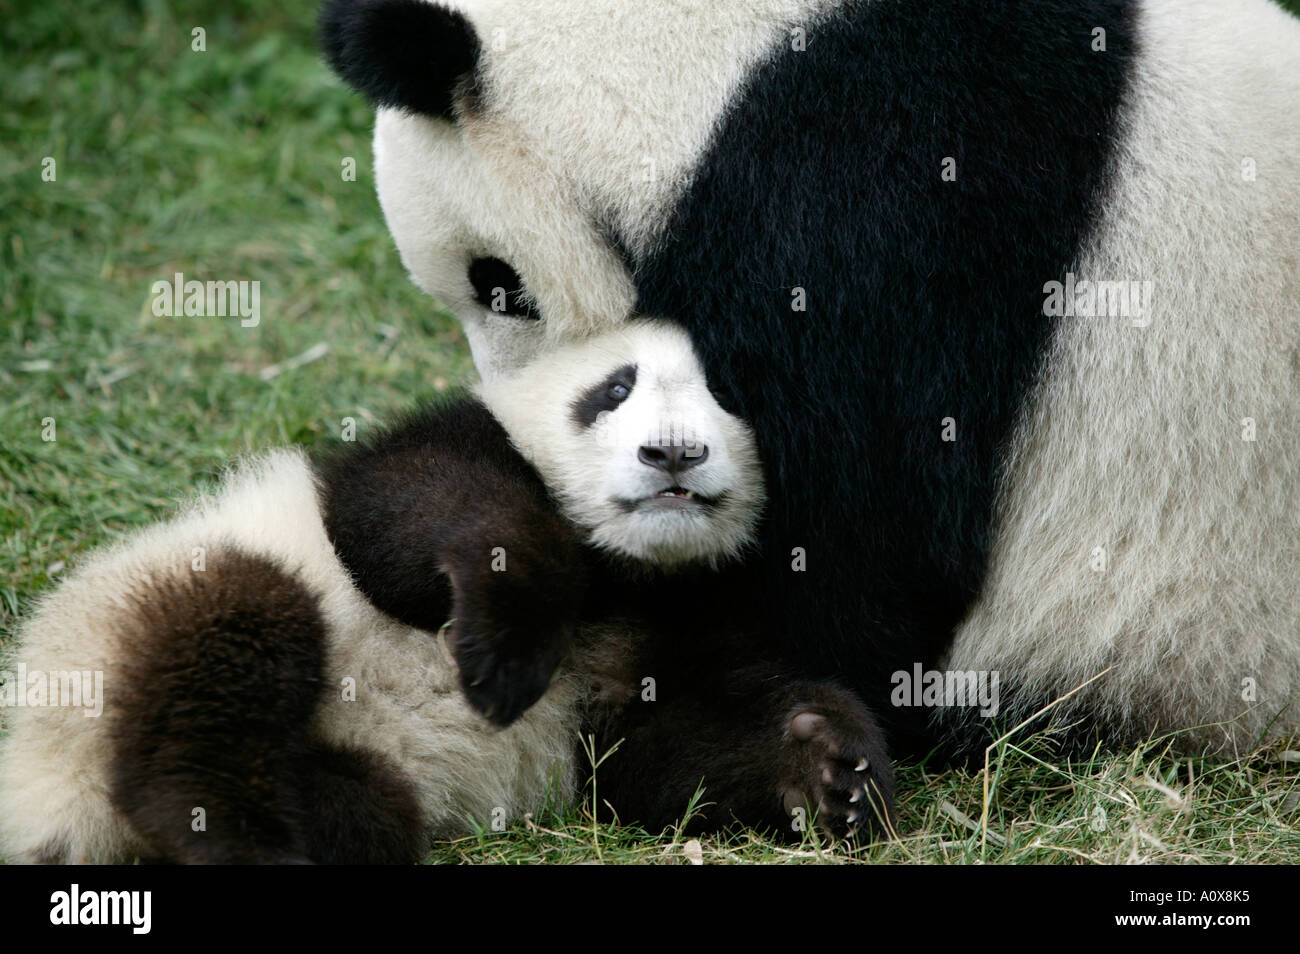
x=672, y=458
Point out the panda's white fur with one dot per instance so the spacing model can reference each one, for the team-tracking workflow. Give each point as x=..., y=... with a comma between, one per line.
x=55, y=763
x=1131, y=448
x=671, y=404
x=1135, y=443
x=651, y=83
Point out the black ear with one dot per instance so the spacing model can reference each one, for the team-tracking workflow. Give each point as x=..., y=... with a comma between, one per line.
x=402, y=53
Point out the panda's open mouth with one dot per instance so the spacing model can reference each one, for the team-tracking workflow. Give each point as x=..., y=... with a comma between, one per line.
x=681, y=492
x=671, y=498
x=677, y=498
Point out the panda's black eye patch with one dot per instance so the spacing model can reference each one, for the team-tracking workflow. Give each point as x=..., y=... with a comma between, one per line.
x=605, y=396
x=499, y=288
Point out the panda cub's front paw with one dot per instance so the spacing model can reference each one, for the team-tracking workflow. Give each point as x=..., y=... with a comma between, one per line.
x=511, y=627
x=836, y=765
x=502, y=673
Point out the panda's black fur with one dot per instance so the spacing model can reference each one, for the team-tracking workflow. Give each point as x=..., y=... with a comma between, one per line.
x=408, y=514
x=410, y=28
x=216, y=711
x=923, y=297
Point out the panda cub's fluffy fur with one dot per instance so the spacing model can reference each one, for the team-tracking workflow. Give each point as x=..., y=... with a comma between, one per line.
x=281, y=681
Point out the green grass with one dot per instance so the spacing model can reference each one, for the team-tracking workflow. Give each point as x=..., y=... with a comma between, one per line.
x=226, y=164
x=1143, y=806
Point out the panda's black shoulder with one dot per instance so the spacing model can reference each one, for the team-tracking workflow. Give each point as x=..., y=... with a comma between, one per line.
x=448, y=448
x=456, y=419
x=936, y=163
x=432, y=495
x=453, y=438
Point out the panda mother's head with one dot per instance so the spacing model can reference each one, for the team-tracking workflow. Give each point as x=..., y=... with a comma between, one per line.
x=625, y=432
x=525, y=152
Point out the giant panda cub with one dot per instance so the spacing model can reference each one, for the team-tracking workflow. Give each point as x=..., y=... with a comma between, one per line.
x=343, y=659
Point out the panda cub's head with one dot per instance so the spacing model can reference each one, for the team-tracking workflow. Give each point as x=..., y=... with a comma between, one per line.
x=624, y=430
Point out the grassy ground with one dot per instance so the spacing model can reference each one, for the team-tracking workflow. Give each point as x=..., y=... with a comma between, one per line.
x=227, y=164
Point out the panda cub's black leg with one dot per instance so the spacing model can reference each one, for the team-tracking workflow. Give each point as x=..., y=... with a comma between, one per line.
x=441, y=519
x=770, y=751
x=359, y=809
x=211, y=710
x=212, y=715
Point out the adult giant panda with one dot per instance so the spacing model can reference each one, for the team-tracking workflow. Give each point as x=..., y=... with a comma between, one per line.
x=275, y=686
x=1010, y=293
